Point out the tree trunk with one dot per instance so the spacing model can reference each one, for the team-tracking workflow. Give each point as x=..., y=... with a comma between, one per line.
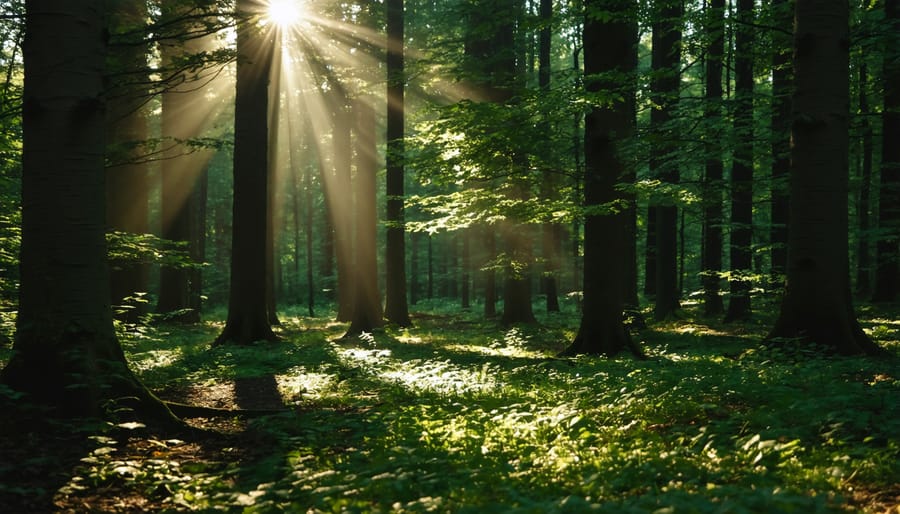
x=712, y=180
x=741, y=237
x=551, y=242
x=367, y=314
x=666, y=64
x=608, y=43
x=342, y=194
x=396, y=309
x=66, y=354
x=248, y=319
x=781, y=134
x=817, y=304
x=887, y=259
x=863, y=273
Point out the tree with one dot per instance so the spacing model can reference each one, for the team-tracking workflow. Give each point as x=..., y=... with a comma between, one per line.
x=609, y=36
x=66, y=353
x=712, y=179
x=817, y=305
x=248, y=319
x=665, y=89
x=367, y=314
x=741, y=237
x=551, y=242
x=781, y=132
x=887, y=271
x=396, y=309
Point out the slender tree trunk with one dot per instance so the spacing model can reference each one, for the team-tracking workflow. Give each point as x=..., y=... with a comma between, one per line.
x=551, y=242
x=343, y=222
x=863, y=261
x=741, y=237
x=666, y=63
x=712, y=181
x=248, y=319
x=781, y=133
x=817, y=304
x=273, y=177
x=490, y=276
x=887, y=259
x=367, y=314
x=66, y=354
x=396, y=309
x=608, y=45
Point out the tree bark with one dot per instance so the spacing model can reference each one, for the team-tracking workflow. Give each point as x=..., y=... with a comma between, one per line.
x=741, y=237
x=817, y=304
x=781, y=134
x=863, y=261
x=248, y=319
x=665, y=88
x=396, y=309
x=367, y=314
x=608, y=43
x=66, y=354
x=712, y=180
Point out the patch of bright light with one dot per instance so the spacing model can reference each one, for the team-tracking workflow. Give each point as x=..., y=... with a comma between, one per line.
x=285, y=13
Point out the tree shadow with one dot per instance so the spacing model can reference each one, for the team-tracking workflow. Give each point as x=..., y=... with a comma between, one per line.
x=257, y=392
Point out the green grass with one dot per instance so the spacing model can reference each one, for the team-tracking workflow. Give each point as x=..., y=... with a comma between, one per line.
x=460, y=415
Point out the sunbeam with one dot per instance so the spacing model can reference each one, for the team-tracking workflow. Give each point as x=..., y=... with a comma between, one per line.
x=285, y=14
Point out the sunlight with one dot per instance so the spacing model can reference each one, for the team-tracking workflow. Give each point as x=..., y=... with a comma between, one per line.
x=285, y=13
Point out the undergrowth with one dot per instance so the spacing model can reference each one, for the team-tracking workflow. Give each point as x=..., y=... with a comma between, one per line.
x=458, y=414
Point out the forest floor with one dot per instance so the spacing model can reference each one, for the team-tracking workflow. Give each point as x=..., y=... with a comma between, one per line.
x=458, y=414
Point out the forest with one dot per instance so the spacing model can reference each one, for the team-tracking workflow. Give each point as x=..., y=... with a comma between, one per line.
x=532, y=256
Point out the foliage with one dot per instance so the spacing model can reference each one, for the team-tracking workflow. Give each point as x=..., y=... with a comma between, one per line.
x=458, y=414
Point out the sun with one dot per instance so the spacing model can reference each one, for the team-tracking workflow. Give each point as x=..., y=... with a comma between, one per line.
x=285, y=13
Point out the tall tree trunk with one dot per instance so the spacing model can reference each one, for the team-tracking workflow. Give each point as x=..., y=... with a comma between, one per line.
x=414, y=268
x=887, y=272
x=66, y=354
x=608, y=43
x=273, y=177
x=396, y=309
x=781, y=134
x=741, y=237
x=367, y=314
x=863, y=273
x=127, y=180
x=666, y=64
x=817, y=304
x=551, y=242
x=341, y=217
x=490, y=275
x=712, y=180
x=248, y=319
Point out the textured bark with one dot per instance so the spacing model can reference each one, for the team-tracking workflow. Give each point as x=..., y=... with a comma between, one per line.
x=367, y=314
x=741, y=236
x=817, y=304
x=666, y=64
x=248, y=319
x=608, y=45
x=341, y=209
x=396, y=309
x=887, y=273
x=712, y=180
x=66, y=354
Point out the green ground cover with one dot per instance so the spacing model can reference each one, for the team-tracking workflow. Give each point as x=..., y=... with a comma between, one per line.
x=461, y=415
